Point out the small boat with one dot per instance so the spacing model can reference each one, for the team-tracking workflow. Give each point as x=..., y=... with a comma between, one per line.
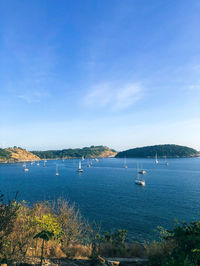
x=57, y=173
x=88, y=165
x=83, y=158
x=79, y=167
x=166, y=163
x=38, y=164
x=138, y=180
x=44, y=164
x=156, y=159
x=96, y=160
x=24, y=164
x=25, y=168
x=125, y=165
x=142, y=172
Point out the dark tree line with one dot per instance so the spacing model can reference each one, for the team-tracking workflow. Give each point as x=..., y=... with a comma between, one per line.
x=168, y=150
x=93, y=151
x=4, y=154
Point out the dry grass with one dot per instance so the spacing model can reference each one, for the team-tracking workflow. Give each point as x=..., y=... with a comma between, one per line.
x=159, y=250
x=76, y=251
x=127, y=251
x=137, y=250
x=79, y=251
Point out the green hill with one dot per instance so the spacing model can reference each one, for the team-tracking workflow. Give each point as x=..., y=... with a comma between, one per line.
x=168, y=150
x=16, y=154
x=87, y=152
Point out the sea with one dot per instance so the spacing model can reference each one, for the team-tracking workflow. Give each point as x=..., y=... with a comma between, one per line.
x=106, y=193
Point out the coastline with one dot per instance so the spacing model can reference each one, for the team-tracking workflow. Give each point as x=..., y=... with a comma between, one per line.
x=78, y=158
x=160, y=157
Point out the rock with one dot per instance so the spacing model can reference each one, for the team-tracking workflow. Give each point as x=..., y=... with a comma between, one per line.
x=128, y=261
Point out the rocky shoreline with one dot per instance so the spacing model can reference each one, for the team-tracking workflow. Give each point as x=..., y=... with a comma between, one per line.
x=82, y=262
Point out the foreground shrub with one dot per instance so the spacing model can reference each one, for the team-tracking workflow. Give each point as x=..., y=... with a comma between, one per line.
x=8, y=214
x=114, y=245
x=21, y=223
x=181, y=246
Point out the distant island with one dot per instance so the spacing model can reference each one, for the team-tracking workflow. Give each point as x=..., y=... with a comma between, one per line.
x=86, y=152
x=168, y=150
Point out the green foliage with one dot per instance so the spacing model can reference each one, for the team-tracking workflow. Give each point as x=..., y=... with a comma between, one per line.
x=118, y=238
x=8, y=214
x=93, y=151
x=186, y=246
x=45, y=235
x=169, y=150
x=115, y=245
x=4, y=154
x=24, y=228
x=48, y=223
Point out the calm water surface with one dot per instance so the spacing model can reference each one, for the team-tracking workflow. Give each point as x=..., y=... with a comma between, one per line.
x=106, y=192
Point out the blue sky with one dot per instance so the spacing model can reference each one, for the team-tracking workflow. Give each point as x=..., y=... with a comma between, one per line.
x=99, y=72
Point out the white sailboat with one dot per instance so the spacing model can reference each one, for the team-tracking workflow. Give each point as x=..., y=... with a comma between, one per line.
x=89, y=164
x=138, y=180
x=125, y=165
x=142, y=171
x=79, y=167
x=166, y=162
x=25, y=168
x=57, y=173
x=156, y=159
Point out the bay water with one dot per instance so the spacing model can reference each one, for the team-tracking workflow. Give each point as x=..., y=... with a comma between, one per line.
x=107, y=194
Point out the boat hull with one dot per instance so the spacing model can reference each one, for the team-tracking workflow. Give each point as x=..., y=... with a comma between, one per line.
x=140, y=182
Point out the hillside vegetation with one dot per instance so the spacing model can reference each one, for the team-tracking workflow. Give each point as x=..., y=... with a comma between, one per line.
x=30, y=233
x=16, y=154
x=87, y=152
x=168, y=150
x=4, y=155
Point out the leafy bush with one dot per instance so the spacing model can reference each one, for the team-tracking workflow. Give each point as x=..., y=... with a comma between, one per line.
x=181, y=246
x=22, y=228
x=114, y=245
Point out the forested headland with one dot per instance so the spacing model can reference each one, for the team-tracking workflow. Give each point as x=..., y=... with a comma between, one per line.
x=167, y=150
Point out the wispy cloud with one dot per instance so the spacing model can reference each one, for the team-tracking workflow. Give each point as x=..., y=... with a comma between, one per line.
x=195, y=87
x=113, y=97
x=33, y=97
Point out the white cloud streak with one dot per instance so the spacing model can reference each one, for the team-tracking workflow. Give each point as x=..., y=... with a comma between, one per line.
x=113, y=97
x=33, y=97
